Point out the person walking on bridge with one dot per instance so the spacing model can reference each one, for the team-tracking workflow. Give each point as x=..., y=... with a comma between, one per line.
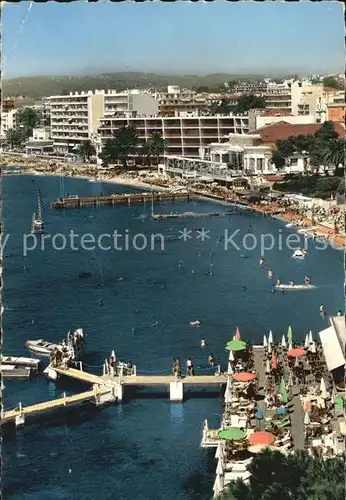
x=189, y=367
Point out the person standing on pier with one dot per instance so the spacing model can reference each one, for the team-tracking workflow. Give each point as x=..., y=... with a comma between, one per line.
x=189, y=367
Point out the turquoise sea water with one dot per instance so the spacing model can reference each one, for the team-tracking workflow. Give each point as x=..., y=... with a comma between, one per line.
x=146, y=448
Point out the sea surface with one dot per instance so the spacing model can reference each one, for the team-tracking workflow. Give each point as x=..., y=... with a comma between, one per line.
x=139, y=303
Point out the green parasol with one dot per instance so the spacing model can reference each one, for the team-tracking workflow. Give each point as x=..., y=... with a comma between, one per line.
x=289, y=335
x=235, y=345
x=282, y=391
x=232, y=434
x=338, y=404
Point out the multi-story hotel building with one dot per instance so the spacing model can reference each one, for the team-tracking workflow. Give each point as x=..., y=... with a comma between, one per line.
x=175, y=101
x=75, y=117
x=186, y=136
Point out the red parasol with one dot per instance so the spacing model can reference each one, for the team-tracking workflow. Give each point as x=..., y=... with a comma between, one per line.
x=237, y=334
x=274, y=362
x=244, y=377
x=297, y=352
x=262, y=437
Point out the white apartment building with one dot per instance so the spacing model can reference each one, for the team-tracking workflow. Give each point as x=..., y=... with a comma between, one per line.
x=75, y=117
x=8, y=121
x=185, y=136
x=244, y=153
x=305, y=98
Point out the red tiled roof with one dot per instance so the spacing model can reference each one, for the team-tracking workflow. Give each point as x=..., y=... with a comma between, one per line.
x=330, y=89
x=283, y=130
x=276, y=112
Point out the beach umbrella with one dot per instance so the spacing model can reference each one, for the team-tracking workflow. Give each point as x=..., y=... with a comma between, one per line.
x=274, y=362
x=306, y=418
x=307, y=404
x=270, y=337
x=262, y=437
x=265, y=342
x=296, y=363
x=269, y=348
x=235, y=345
x=232, y=434
x=306, y=343
x=333, y=396
x=310, y=337
x=219, y=468
x=282, y=391
x=237, y=334
x=228, y=397
x=339, y=404
x=312, y=347
x=290, y=379
x=289, y=335
x=268, y=366
x=297, y=352
x=244, y=377
x=283, y=341
x=230, y=370
x=231, y=356
x=323, y=388
x=259, y=413
x=281, y=410
x=113, y=355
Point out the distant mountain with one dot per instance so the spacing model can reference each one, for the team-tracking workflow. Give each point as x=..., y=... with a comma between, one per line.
x=41, y=86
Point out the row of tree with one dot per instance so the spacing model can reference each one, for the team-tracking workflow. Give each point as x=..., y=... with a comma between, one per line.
x=243, y=105
x=125, y=143
x=297, y=476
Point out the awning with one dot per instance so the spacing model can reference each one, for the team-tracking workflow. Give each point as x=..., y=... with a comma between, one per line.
x=332, y=349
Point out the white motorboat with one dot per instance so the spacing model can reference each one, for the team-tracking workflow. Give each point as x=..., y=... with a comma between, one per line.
x=32, y=363
x=300, y=253
x=13, y=371
x=294, y=288
x=37, y=226
x=73, y=344
x=195, y=323
x=290, y=224
x=96, y=180
x=41, y=347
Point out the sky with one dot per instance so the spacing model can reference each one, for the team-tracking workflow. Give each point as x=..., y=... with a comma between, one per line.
x=172, y=38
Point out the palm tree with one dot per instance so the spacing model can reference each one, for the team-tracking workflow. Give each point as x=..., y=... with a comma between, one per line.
x=299, y=476
x=333, y=152
x=86, y=149
x=156, y=145
x=121, y=145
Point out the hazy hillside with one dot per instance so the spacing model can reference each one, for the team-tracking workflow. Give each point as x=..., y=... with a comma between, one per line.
x=39, y=86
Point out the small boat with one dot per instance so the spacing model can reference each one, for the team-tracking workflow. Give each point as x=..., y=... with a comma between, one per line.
x=37, y=226
x=195, y=323
x=96, y=180
x=290, y=224
x=294, y=287
x=32, y=363
x=13, y=371
x=299, y=254
x=41, y=347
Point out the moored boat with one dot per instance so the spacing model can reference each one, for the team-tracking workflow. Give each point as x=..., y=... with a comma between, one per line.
x=300, y=253
x=13, y=371
x=37, y=226
x=41, y=347
x=294, y=288
x=32, y=363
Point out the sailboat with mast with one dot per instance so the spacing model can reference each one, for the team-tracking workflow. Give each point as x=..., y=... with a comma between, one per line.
x=37, y=219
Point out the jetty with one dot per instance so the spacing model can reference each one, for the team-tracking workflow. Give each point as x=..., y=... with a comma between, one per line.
x=109, y=388
x=122, y=199
x=190, y=215
x=18, y=414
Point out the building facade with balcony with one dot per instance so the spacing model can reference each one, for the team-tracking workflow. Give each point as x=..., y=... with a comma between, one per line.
x=76, y=117
x=185, y=136
x=176, y=101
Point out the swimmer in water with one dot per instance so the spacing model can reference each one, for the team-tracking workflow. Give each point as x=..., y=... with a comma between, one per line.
x=261, y=261
x=270, y=273
x=322, y=310
x=202, y=343
x=243, y=288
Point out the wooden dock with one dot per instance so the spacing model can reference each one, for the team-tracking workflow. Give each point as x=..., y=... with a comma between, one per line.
x=190, y=215
x=121, y=199
x=12, y=415
x=80, y=375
